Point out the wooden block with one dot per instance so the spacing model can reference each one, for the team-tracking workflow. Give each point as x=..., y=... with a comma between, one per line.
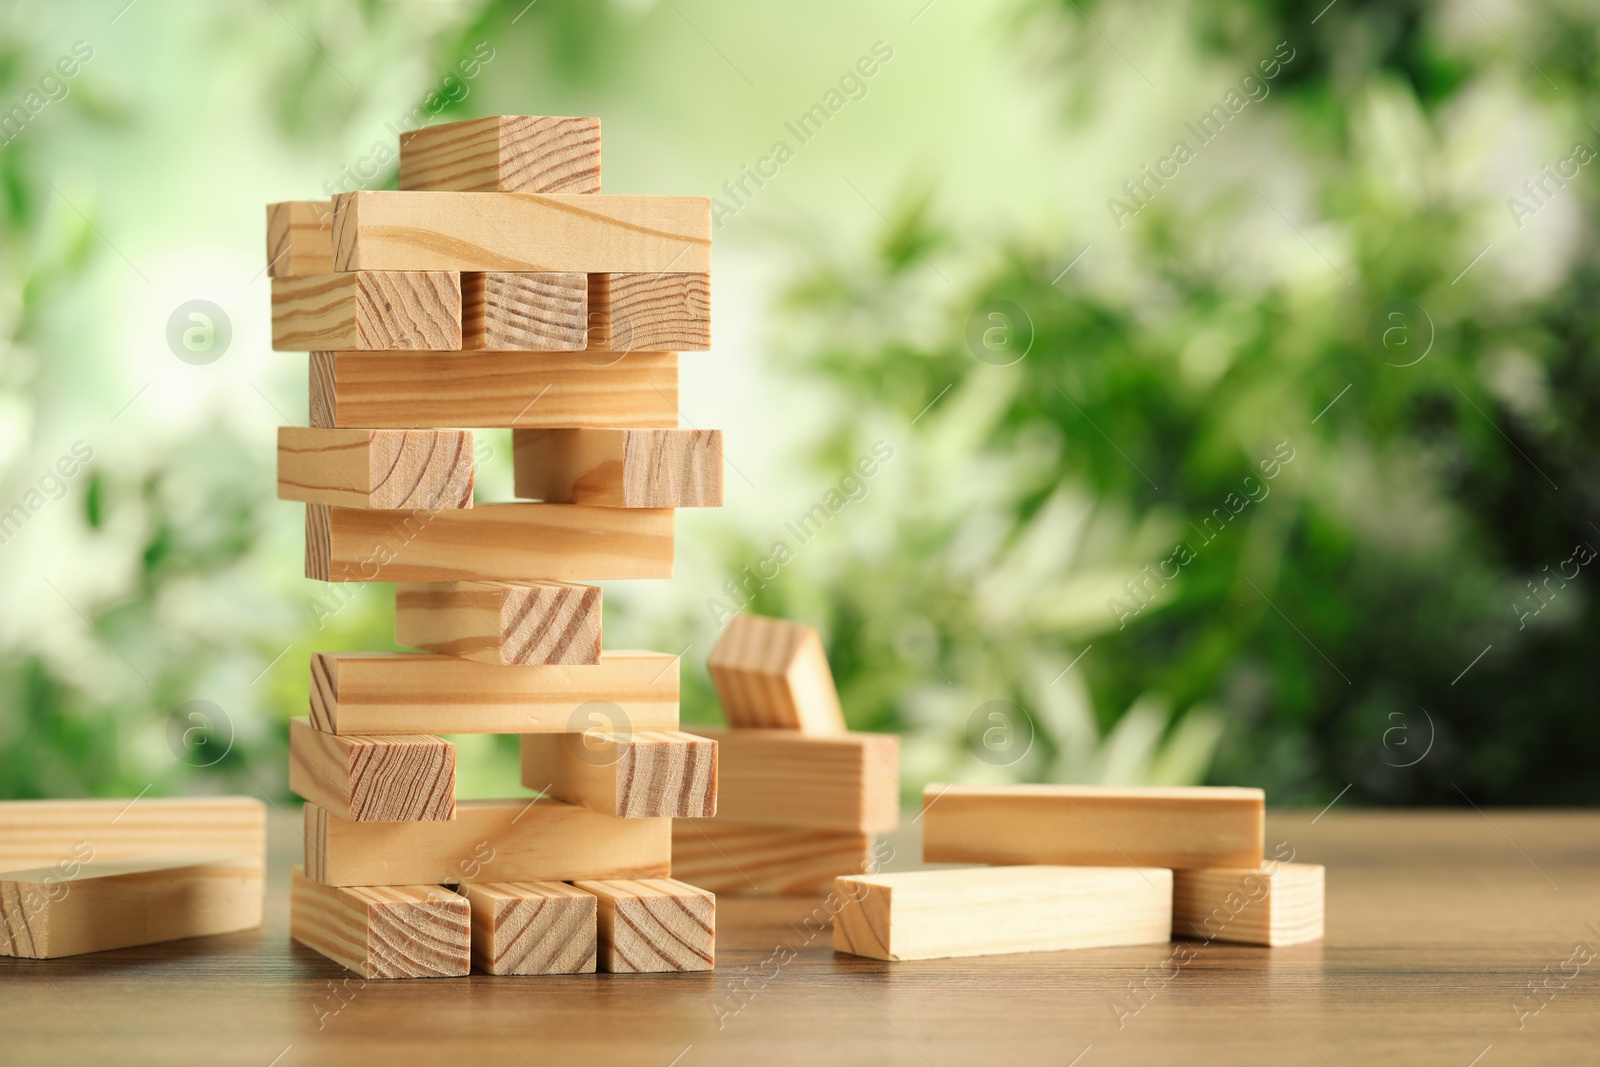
x=505, y=623
x=589, y=232
x=299, y=238
x=494, y=389
x=620, y=468
x=41, y=833
x=405, y=931
x=811, y=781
x=495, y=542
x=522, y=840
x=118, y=903
x=654, y=925
x=652, y=312
x=392, y=778
x=1275, y=904
x=774, y=673
x=418, y=693
x=504, y=153
x=1151, y=826
x=524, y=311
x=385, y=470
x=640, y=775
x=532, y=928
x=728, y=858
x=399, y=310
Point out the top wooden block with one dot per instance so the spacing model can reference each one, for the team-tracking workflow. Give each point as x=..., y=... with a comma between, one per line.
x=504, y=154
x=773, y=673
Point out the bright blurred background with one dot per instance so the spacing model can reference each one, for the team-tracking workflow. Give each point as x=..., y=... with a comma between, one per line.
x=1269, y=460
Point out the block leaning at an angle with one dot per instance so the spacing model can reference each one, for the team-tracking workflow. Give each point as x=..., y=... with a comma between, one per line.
x=774, y=673
x=1275, y=904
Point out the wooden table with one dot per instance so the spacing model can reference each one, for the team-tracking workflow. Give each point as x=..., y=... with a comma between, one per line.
x=1437, y=923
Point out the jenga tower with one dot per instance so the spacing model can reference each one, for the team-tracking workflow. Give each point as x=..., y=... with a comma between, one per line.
x=497, y=288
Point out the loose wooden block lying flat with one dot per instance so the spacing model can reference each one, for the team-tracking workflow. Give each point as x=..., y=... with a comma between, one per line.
x=641, y=775
x=504, y=153
x=772, y=672
x=400, y=310
x=1178, y=826
x=385, y=470
x=118, y=903
x=532, y=928
x=811, y=781
x=418, y=693
x=525, y=311
x=1275, y=904
x=620, y=468
x=654, y=925
x=404, y=931
x=987, y=911
x=650, y=312
x=504, y=623
x=392, y=778
x=728, y=858
x=299, y=238
x=521, y=840
x=39, y=833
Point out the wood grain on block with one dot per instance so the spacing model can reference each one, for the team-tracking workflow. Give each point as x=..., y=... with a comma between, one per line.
x=1134, y=826
x=299, y=238
x=506, y=623
x=528, y=311
x=816, y=781
x=110, y=904
x=402, y=931
x=620, y=468
x=418, y=693
x=774, y=673
x=527, y=839
x=494, y=542
x=655, y=312
x=532, y=928
x=504, y=153
x=42, y=833
x=494, y=389
x=988, y=911
x=654, y=925
x=588, y=232
x=645, y=774
x=766, y=861
x=1274, y=904
x=399, y=310
x=390, y=778
x=386, y=470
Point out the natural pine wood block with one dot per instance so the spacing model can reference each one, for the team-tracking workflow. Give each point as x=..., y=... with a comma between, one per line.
x=620, y=468
x=653, y=925
x=403, y=931
x=385, y=470
x=640, y=775
x=532, y=928
x=504, y=153
x=528, y=311
x=299, y=238
x=670, y=312
x=1135, y=826
x=774, y=673
x=399, y=310
x=589, y=232
x=729, y=858
x=503, y=623
x=39, y=833
x=813, y=781
x=1275, y=904
x=118, y=903
x=391, y=778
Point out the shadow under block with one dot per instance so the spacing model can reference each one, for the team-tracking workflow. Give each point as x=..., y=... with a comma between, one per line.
x=392, y=778
x=526, y=839
x=501, y=623
x=418, y=693
x=818, y=782
x=652, y=312
x=299, y=238
x=119, y=903
x=504, y=153
x=654, y=925
x=397, y=310
x=532, y=928
x=525, y=311
x=42, y=833
x=741, y=860
x=1152, y=826
x=1275, y=904
x=988, y=911
x=588, y=232
x=494, y=542
x=774, y=673
x=641, y=775
x=404, y=931
x=620, y=468
x=384, y=470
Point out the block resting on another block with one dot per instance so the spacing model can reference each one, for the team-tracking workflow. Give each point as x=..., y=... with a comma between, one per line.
x=502, y=623
x=637, y=775
x=774, y=673
x=384, y=470
x=736, y=860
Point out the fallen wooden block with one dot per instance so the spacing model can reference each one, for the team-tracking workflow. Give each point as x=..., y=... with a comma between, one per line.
x=39, y=833
x=650, y=312
x=504, y=153
x=774, y=673
x=384, y=470
x=391, y=778
x=1152, y=826
x=1276, y=904
x=812, y=781
x=525, y=311
x=640, y=775
x=396, y=310
x=109, y=904
x=532, y=928
x=620, y=468
x=728, y=858
x=503, y=623
x=403, y=931
x=299, y=238
x=654, y=925
x=988, y=911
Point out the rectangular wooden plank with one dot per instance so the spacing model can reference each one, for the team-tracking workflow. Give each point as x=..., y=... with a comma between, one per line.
x=620, y=468
x=503, y=623
x=504, y=153
x=391, y=778
x=525, y=311
x=653, y=312
x=1275, y=904
x=385, y=470
x=812, y=781
x=299, y=238
x=405, y=931
x=42, y=833
x=399, y=310
x=654, y=925
x=532, y=928
x=774, y=673
x=644, y=774
x=729, y=858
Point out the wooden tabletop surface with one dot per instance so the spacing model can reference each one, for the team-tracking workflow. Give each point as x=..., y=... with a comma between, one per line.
x=1437, y=924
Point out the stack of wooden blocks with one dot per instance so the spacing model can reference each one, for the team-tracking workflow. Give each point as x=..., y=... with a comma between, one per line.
x=498, y=288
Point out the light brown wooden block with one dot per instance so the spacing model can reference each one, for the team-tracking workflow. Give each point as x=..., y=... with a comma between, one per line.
x=532, y=928
x=813, y=781
x=418, y=693
x=620, y=468
x=645, y=774
x=403, y=931
x=774, y=673
x=654, y=925
x=392, y=778
x=524, y=311
x=299, y=238
x=42, y=833
x=398, y=310
x=1134, y=826
x=118, y=903
x=386, y=470
x=504, y=153
x=728, y=858
x=589, y=232
x=1275, y=904
x=651, y=312
x=504, y=623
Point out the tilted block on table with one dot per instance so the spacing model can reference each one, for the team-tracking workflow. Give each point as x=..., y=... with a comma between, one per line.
x=639, y=775
x=383, y=470
x=398, y=310
x=403, y=931
x=501, y=623
x=620, y=468
x=387, y=778
x=774, y=673
x=504, y=153
x=532, y=928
